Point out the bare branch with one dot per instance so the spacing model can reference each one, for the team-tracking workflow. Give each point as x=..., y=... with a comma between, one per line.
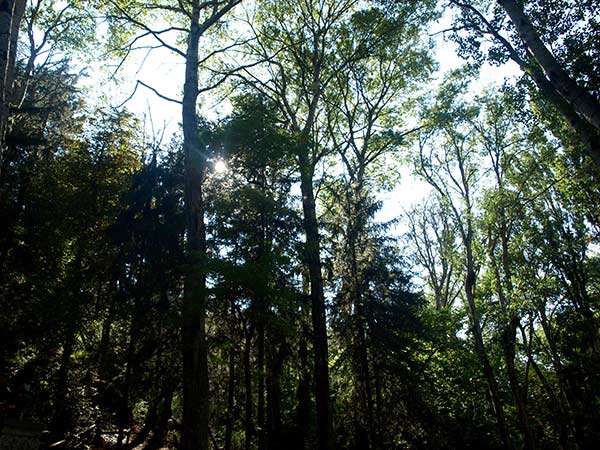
x=139, y=82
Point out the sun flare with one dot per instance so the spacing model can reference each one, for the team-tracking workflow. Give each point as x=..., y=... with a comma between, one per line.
x=220, y=166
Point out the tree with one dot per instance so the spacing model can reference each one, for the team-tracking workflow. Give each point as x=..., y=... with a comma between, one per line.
x=364, y=107
x=304, y=66
x=559, y=295
x=502, y=141
x=11, y=14
x=255, y=230
x=197, y=18
x=303, y=58
x=36, y=36
x=453, y=170
x=561, y=81
x=433, y=234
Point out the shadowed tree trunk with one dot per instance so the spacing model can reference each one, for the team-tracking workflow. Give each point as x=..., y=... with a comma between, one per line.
x=11, y=14
x=230, y=399
x=194, y=434
x=480, y=350
x=260, y=362
x=248, y=407
x=303, y=395
x=162, y=426
x=60, y=421
x=465, y=222
x=276, y=358
x=124, y=408
x=313, y=262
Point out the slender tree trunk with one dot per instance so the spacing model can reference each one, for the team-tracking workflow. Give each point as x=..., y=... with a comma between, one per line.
x=230, y=399
x=467, y=235
x=303, y=395
x=313, y=261
x=263, y=240
x=7, y=8
x=61, y=419
x=104, y=347
x=15, y=26
x=378, y=431
x=194, y=434
x=103, y=360
x=123, y=418
x=562, y=416
x=509, y=330
x=363, y=394
x=509, y=341
x=275, y=366
x=260, y=362
x=248, y=407
x=480, y=350
x=569, y=387
x=162, y=427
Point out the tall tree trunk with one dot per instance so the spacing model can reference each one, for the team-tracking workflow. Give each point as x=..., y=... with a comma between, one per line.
x=61, y=419
x=162, y=426
x=264, y=240
x=569, y=387
x=260, y=387
x=104, y=347
x=103, y=360
x=378, y=429
x=360, y=360
x=194, y=434
x=11, y=14
x=124, y=410
x=248, y=426
x=303, y=395
x=583, y=102
x=504, y=284
x=275, y=366
x=15, y=25
x=230, y=399
x=562, y=417
x=508, y=343
x=313, y=261
x=467, y=234
x=364, y=420
x=480, y=350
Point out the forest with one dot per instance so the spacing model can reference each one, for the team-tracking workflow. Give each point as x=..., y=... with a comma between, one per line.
x=253, y=277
